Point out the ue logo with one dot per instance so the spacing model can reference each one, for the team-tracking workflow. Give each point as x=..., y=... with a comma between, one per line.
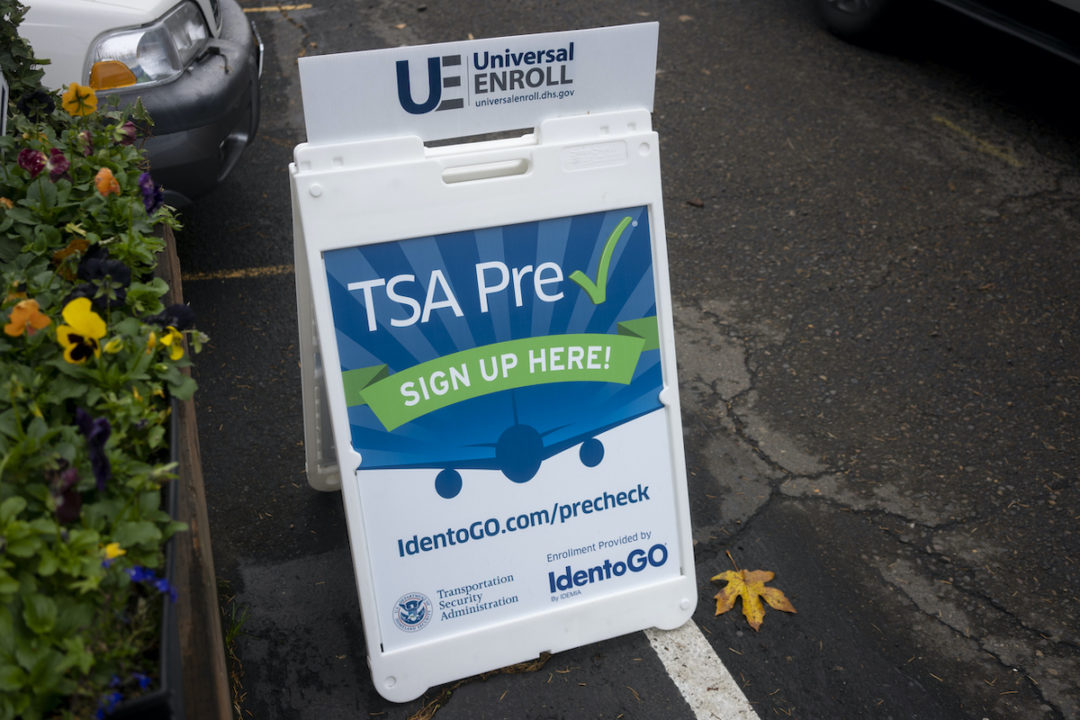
x=436, y=83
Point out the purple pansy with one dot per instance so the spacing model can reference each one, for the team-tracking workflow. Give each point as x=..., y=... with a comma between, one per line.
x=36, y=105
x=96, y=431
x=126, y=134
x=62, y=487
x=86, y=138
x=152, y=195
x=107, y=279
x=35, y=162
x=58, y=164
x=177, y=316
x=32, y=161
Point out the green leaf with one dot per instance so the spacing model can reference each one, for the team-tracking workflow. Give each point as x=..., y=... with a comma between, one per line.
x=77, y=655
x=41, y=194
x=129, y=326
x=12, y=677
x=21, y=544
x=10, y=508
x=75, y=614
x=9, y=423
x=149, y=501
x=37, y=429
x=155, y=437
x=47, y=564
x=175, y=527
x=183, y=389
x=145, y=298
x=131, y=534
x=39, y=613
x=85, y=585
x=47, y=237
x=46, y=277
x=79, y=372
x=7, y=630
x=44, y=525
x=83, y=541
x=64, y=388
x=46, y=674
x=22, y=215
x=8, y=584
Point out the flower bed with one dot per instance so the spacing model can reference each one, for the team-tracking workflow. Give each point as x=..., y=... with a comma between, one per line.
x=89, y=360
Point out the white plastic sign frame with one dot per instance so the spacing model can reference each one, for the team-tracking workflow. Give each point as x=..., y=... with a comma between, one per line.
x=494, y=335
x=3, y=105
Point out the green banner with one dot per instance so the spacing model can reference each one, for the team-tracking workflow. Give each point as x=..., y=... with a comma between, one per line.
x=644, y=328
x=396, y=399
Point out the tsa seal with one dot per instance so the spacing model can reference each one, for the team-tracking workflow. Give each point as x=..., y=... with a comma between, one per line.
x=412, y=612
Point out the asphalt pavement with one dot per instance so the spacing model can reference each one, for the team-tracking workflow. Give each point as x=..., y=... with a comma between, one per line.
x=874, y=265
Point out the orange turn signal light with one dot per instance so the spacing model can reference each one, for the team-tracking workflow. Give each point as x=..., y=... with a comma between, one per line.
x=107, y=74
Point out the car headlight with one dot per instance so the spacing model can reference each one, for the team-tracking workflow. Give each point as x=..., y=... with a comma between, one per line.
x=153, y=54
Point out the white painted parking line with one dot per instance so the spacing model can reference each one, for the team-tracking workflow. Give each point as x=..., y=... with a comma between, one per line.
x=700, y=676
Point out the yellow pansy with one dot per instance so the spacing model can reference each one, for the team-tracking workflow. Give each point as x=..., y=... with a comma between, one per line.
x=80, y=336
x=79, y=100
x=173, y=340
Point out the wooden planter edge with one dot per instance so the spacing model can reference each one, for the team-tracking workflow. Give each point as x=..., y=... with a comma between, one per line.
x=202, y=648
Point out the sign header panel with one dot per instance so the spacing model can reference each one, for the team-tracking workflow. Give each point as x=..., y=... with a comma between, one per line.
x=473, y=87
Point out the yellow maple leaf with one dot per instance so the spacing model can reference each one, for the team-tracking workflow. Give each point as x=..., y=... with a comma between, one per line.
x=750, y=586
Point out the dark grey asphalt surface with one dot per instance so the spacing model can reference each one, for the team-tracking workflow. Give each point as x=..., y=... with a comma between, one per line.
x=874, y=261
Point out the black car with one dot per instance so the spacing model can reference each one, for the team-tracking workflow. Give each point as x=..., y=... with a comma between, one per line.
x=1053, y=25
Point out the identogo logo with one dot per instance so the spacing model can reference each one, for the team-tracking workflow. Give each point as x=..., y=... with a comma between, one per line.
x=636, y=561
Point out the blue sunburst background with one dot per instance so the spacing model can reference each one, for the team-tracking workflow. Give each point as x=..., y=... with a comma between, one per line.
x=465, y=435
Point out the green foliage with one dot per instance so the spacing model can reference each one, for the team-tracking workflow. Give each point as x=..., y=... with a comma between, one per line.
x=89, y=357
x=17, y=62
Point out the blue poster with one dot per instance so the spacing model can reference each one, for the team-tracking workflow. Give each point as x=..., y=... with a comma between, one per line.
x=497, y=348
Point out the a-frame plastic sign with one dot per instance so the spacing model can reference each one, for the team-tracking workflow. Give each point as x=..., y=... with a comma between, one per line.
x=494, y=348
x=3, y=105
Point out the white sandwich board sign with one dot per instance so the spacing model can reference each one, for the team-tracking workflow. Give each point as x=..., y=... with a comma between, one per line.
x=3, y=105
x=494, y=355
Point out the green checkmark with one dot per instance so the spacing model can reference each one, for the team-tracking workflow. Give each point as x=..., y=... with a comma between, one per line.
x=598, y=291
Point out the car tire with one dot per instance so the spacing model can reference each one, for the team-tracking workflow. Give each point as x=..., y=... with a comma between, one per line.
x=859, y=21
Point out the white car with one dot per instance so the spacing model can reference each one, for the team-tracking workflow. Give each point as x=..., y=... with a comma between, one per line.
x=195, y=64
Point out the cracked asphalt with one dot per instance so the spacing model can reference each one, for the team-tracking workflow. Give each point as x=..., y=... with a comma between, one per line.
x=874, y=264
